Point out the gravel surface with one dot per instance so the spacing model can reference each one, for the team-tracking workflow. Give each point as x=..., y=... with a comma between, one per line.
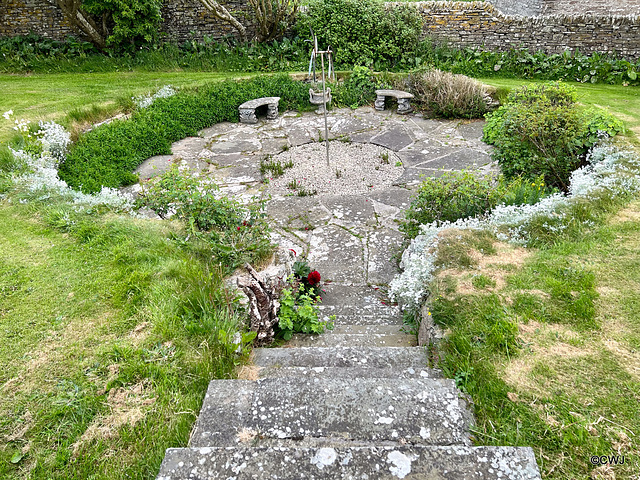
x=354, y=169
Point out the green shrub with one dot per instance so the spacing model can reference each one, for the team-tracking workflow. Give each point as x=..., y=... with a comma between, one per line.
x=132, y=24
x=447, y=95
x=108, y=155
x=363, y=32
x=542, y=131
x=463, y=194
x=234, y=234
x=357, y=90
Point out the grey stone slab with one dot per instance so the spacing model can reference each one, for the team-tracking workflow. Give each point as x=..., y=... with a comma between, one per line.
x=398, y=358
x=337, y=254
x=331, y=411
x=352, y=373
x=350, y=125
x=472, y=130
x=298, y=213
x=362, y=137
x=383, y=246
x=353, y=340
x=412, y=177
x=460, y=160
x=273, y=146
x=234, y=146
x=189, y=147
x=422, y=152
x=356, y=299
x=217, y=129
x=427, y=125
x=225, y=159
x=366, y=330
x=360, y=319
x=410, y=462
x=300, y=136
x=396, y=138
x=393, y=196
x=154, y=166
x=351, y=211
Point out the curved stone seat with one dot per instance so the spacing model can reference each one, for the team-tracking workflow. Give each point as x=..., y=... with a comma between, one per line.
x=403, y=100
x=248, y=109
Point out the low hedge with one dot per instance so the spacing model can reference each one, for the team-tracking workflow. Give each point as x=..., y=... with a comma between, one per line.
x=108, y=155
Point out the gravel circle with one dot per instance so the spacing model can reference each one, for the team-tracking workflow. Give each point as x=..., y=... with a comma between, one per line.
x=354, y=169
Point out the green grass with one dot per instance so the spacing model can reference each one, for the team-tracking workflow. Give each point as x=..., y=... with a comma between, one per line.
x=623, y=102
x=546, y=342
x=111, y=335
x=53, y=96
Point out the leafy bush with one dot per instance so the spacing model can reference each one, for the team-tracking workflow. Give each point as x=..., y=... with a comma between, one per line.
x=447, y=95
x=132, y=24
x=542, y=131
x=108, y=155
x=234, y=233
x=363, y=32
x=463, y=194
x=357, y=90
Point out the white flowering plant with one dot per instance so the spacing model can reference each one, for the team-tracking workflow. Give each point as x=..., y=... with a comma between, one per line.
x=42, y=151
x=145, y=101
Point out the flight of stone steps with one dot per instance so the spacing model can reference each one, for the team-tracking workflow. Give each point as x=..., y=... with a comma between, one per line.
x=355, y=403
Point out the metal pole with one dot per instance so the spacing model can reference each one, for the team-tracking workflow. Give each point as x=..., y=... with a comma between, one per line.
x=324, y=103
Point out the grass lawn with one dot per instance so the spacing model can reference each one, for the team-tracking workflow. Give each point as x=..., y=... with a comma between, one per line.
x=110, y=331
x=53, y=96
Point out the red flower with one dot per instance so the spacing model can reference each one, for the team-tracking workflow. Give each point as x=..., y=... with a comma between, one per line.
x=313, y=278
x=238, y=228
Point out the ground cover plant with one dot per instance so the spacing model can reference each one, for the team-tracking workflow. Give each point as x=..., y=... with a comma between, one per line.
x=107, y=156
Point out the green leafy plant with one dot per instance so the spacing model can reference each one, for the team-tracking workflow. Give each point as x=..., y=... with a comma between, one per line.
x=107, y=155
x=363, y=32
x=463, y=194
x=233, y=233
x=542, y=131
x=299, y=312
x=357, y=90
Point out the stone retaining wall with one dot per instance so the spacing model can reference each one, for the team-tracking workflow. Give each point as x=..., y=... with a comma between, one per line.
x=476, y=24
x=473, y=24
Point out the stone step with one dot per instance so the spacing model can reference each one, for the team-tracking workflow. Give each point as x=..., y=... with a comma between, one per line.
x=398, y=358
x=361, y=319
x=353, y=340
x=354, y=295
x=297, y=411
x=375, y=462
x=347, y=372
x=367, y=329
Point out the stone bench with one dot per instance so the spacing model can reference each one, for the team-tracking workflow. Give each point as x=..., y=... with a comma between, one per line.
x=248, y=109
x=402, y=97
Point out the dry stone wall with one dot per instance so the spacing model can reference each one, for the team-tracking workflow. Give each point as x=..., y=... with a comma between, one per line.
x=480, y=24
x=182, y=19
x=502, y=25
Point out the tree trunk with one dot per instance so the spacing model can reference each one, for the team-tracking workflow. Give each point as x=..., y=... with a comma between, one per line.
x=220, y=12
x=81, y=21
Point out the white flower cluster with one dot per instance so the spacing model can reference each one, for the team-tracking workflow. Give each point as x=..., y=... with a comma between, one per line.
x=145, y=101
x=55, y=140
x=43, y=173
x=609, y=171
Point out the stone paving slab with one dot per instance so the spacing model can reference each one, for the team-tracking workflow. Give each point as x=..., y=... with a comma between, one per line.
x=370, y=462
x=338, y=255
x=353, y=340
x=398, y=358
x=351, y=373
x=383, y=246
x=335, y=411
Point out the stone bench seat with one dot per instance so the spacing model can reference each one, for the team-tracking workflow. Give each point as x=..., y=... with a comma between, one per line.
x=403, y=100
x=248, y=109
